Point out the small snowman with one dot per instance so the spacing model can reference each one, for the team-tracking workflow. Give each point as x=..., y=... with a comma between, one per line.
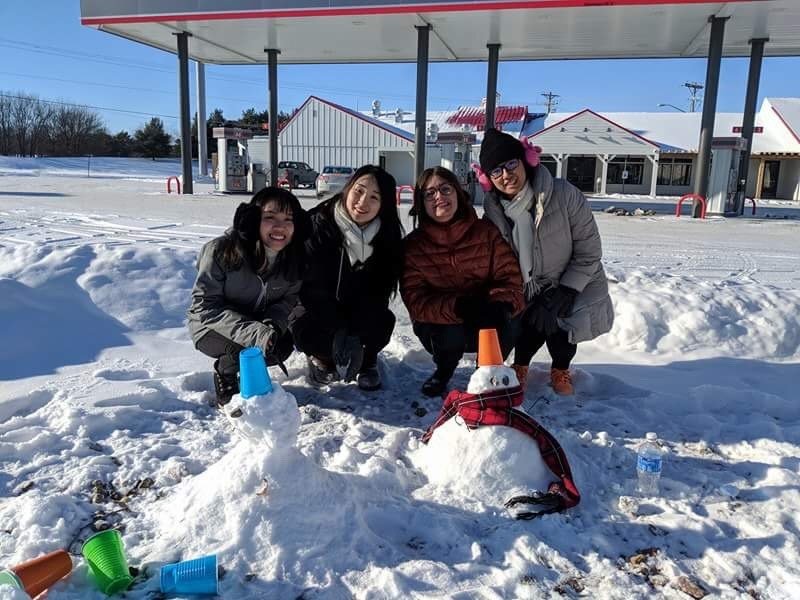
x=483, y=446
x=263, y=412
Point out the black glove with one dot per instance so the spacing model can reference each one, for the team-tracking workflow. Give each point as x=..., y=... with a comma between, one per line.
x=247, y=221
x=348, y=354
x=541, y=319
x=496, y=314
x=559, y=300
x=470, y=306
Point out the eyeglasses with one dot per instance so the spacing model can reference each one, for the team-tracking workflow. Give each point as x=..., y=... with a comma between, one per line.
x=509, y=166
x=445, y=190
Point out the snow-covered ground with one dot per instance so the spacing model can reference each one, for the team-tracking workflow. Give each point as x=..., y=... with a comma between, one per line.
x=104, y=418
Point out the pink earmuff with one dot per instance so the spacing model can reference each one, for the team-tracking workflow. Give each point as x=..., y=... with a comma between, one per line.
x=483, y=178
x=531, y=152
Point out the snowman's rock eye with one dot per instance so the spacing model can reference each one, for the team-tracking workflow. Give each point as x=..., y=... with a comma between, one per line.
x=493, y=380
x=505, y=379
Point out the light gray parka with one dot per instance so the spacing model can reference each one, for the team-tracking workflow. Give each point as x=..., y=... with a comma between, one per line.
x=567, y=250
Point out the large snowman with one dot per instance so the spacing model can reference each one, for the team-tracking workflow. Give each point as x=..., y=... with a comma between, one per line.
x=483, y=447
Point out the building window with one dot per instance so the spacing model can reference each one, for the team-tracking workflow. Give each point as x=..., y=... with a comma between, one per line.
x=549, y=163
x=632, y=166
x=675, y=172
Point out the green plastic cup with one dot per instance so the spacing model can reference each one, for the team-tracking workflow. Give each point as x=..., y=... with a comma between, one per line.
x=7, y=577
x=106, y=557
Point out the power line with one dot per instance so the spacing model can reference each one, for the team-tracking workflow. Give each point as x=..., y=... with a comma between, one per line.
x=694, y=88
x=551, y=101
x=116, y=61
x=58, y=102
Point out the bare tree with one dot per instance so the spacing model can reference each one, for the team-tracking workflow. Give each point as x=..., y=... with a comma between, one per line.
x=22, y=118
x=6, y=128
x=74, y=128
x=41, y=126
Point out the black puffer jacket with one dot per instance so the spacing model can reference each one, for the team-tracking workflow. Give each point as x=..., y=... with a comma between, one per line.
x=336, y=292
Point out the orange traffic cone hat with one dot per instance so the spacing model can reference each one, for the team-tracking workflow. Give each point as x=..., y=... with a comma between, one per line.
x=489, y=354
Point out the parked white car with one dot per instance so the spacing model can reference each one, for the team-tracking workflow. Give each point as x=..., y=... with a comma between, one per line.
x=332, y=179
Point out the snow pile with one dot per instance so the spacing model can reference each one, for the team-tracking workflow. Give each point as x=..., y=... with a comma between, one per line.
x=9, y=592
x=269, y=421
x=96, y=166
x=675, y=316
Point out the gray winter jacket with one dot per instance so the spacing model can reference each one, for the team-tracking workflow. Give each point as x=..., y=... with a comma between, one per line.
x=567, y=251
x=238, y=304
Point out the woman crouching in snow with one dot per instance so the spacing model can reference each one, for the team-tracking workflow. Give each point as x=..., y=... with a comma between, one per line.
x=460, y=276
x=248, y=285
x=355, y=257
x=554, y=235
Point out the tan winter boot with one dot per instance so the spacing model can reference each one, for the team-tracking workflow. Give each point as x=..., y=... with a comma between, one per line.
x=522, y=375
x=561, y=381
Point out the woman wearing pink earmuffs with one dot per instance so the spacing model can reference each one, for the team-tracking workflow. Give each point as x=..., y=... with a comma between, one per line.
x=550, y=226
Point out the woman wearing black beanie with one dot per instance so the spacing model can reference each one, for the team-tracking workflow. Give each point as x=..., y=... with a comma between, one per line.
x=550, y=226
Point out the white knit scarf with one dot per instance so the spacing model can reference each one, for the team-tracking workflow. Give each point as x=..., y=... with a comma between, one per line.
x=357, y=240
x=519, y=211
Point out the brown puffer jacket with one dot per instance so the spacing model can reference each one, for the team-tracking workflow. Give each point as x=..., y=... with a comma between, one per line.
x=443, y=262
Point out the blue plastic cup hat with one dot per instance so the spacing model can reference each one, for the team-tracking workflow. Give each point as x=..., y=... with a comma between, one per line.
x=253, y=376
x=196, y=576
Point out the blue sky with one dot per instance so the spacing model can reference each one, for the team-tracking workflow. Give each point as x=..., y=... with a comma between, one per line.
x=48, y=53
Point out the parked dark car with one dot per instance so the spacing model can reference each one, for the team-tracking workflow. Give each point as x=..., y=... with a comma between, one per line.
x=295, y=174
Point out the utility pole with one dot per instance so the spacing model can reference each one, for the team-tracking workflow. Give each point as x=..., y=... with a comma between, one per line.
x=551, y=103
x=694, y=88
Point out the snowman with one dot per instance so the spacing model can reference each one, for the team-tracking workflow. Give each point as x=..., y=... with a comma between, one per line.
x=484, y=447
x=263, y=412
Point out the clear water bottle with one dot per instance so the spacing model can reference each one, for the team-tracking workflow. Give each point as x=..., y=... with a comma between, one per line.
x=648, y=465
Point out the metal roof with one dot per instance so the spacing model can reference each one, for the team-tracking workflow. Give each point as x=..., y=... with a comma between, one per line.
x=475, y=116
x=352, y=31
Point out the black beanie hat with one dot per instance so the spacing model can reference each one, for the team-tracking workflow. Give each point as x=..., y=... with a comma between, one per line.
x=498, y=147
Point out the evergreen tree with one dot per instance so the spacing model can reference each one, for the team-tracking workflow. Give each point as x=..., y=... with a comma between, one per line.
x=152, y=140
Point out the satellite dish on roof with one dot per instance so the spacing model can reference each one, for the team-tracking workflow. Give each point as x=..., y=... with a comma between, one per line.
x=398, y=115
x=376, y=108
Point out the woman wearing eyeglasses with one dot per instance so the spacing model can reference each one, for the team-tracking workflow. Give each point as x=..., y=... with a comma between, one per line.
x=459, y=276
x=550, y=225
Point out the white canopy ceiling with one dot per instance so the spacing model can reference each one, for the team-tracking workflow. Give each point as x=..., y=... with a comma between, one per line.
x=333, y=31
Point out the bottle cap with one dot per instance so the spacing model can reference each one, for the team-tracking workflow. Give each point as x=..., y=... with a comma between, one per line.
x=651, y=436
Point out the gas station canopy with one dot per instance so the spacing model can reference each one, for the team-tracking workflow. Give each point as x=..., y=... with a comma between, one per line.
x=353, y=31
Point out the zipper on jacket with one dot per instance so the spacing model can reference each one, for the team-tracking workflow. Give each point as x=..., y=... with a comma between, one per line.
x=262, y=296
x=339, y=280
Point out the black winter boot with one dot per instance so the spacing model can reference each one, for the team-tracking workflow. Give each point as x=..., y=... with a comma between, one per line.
x=226, y=385
x=436, y=384
x=369, y=378
x=321, y=372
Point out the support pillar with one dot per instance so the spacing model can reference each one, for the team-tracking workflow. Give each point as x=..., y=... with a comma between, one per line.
x=272, y=76
x=420, y=134
x=759, y=179
x=604, y=159
x=654, y=176
x=202, y=132
x=709, y=110
x=185, y=117
x=753, y=77
x=491, y=85
x=561, y=160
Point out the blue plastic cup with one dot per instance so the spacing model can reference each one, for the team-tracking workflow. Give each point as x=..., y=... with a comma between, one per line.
x=253, y=375
x=196, y=576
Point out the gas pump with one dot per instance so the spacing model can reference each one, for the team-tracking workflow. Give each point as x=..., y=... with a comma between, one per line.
x=457, y=154
x=725, y=195
x=232, y=158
